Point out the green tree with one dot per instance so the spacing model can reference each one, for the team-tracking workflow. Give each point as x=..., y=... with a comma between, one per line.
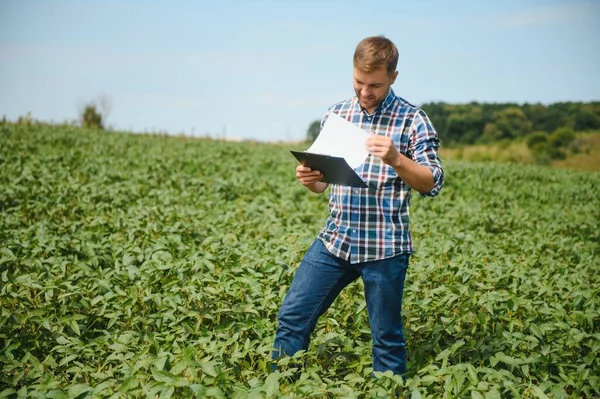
x=95, y=112
x=465, y=124
x=438, y=113
x=587, y=118
x=536, y=140
x=546, y=148
x=556, y=115
x=91, y=118
x=313, y=130
x=510, y=123
x=491, y=133
x=561, y=137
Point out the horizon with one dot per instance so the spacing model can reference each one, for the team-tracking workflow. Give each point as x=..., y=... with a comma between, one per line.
x=76, y=122
x=163, y=68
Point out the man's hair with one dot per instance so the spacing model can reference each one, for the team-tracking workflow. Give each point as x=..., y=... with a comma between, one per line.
x=375, y=52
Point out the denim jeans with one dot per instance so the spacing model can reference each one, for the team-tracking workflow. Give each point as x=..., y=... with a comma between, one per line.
x=319, y=280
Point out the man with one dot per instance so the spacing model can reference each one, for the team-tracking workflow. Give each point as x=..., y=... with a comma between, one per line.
x=367, y=233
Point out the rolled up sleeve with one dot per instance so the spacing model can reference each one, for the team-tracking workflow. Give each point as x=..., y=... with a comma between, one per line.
x=424, y=146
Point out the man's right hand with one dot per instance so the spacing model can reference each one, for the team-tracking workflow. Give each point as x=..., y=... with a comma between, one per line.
x=310, y=179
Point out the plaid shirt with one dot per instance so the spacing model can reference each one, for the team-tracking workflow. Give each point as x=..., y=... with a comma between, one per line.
x=367, y=224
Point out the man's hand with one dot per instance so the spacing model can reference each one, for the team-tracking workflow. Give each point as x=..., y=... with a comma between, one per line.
x=383, y=147
x=311, y=179
x=418, y=177
x=307, y=176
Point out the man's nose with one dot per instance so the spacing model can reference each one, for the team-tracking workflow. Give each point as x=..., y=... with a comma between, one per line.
x=365, y=92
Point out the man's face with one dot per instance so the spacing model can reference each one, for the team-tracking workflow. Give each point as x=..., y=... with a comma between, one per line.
x=371, y=88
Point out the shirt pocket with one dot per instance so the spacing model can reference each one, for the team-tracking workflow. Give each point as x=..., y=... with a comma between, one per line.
x=388, y=181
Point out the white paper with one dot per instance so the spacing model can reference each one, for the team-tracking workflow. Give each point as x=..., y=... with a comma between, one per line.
x=340, y=138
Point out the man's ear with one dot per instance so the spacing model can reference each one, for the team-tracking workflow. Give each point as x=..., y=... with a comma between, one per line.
x=393, y=77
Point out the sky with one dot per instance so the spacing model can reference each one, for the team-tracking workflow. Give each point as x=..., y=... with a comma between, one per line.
x=265, y=69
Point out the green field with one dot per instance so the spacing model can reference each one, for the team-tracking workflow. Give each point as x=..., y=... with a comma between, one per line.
x=146, y=266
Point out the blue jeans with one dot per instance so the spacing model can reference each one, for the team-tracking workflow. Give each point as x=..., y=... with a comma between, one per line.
x=319, y=280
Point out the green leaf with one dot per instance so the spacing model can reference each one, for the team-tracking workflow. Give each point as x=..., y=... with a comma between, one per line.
x=50, y=362
x=7, y=392
x=57, y=394
x=128, y=384
x=128, y=259
x=272, y=384
x=472, y=374
x=167, y=392
x=456, y=345
x=67, y=359
x=163, y=376
x=415, y=394
x=169, y=378
x=492, y=394
x=6, y=255
x=537, y=391
x=476, y=395
x=208, y=368
x=429, y=379
x=107, y=385
x=80, y=391
x=510, y=304
x=75, y=327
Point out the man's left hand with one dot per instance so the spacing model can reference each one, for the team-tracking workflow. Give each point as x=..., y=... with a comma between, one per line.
x=383, y=147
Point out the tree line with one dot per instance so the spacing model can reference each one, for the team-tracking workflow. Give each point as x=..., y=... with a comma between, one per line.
x=474, y=123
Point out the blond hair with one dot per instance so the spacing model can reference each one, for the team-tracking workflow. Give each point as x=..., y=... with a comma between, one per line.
x=375, y=52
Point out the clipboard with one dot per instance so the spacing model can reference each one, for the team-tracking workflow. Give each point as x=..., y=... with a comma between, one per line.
x=335, y=169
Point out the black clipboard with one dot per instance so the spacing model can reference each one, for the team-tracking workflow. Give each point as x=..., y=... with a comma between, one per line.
x=335, y=169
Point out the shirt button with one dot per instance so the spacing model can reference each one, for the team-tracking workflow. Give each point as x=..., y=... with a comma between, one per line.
x=356, y=191
x=354, y=231
x=356, y=211
x=368, y=118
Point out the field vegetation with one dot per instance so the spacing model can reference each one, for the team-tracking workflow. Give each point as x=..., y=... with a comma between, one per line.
x=148, y=266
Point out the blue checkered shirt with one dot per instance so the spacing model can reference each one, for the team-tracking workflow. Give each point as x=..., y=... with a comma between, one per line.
x=367, y=224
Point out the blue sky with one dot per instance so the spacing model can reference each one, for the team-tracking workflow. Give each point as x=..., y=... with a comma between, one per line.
x=265, y=69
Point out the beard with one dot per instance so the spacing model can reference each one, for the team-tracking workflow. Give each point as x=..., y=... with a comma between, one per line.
x=369, y=102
